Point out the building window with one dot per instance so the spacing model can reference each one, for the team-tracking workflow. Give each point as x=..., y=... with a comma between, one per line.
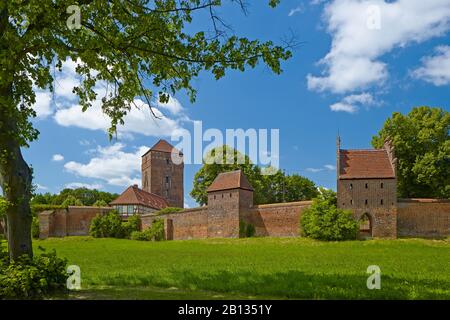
x=366, y=202
x=167, y=161
x=230, y=195
x=214, y=197
x=222, y=195
x=381, y=202
x=351, y=186
x=351, y=201
x=130, y=209
x=381, y=185
x=367, y=186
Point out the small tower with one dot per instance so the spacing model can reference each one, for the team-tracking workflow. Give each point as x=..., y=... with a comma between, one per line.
x=161, y=175
x=228, y=195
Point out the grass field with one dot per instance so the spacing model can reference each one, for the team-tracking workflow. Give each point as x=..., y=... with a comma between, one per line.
x=256, y=268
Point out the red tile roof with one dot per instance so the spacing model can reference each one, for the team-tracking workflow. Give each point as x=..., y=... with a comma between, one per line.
x=230, y=180
x=163, y=146
x=134, y=195
x=360, y=164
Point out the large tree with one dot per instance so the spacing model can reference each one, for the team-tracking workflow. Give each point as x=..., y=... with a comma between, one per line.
x=139, y=48
x=275, y=188
x=422, y=147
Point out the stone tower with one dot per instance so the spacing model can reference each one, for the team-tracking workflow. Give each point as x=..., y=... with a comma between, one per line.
x=162, y=173
x=228, y=196
x=367, y=185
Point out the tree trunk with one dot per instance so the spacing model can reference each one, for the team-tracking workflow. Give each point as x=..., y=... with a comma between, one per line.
x=15, y=180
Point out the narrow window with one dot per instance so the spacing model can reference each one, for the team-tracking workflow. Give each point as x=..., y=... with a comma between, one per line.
x=214, y=197
x=381, y=185
x=167, y=179
x=366, y=201
x=230, y=195
x=167, y=161
x=381, y=202
x=222, y=195
x=351, y=186
x=367, y=186
x=351, y=201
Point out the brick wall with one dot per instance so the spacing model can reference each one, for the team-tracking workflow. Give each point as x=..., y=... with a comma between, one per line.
x=73, y=221
x=276, y=220
x=423, y=218
x=189, y=224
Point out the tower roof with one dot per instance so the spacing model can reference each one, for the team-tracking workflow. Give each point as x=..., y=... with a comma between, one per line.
x=360, y=164
x=163, y=146
x=135, y=196
x=230, y=180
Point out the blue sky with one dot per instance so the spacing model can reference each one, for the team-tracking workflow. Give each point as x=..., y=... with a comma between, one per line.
x=350, y=72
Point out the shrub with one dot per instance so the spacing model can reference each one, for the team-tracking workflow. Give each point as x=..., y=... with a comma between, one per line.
x=35, y=228
x=246, y=230
x=139, y=236
x=100, y=203
x=324, y=221
x=31, y=278
x=168, y=210
x=107, y=226
x=132, y=225
x=111, y=226
x=154, y=233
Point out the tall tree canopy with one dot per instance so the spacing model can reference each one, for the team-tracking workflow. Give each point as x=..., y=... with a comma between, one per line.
x=138, y=48
x=274, y=188
x=422, y=147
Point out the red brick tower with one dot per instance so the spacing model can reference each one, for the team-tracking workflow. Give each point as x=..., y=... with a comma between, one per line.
x=161, y=175
x=367, y=185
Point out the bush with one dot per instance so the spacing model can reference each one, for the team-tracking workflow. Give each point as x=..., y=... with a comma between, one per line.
x=35, y=228
x=100, y=203
x=154, y=233
x=111, y=226
x=246, y=230
x=132, y=225
x=106, y=226
x=31, y=278
x=139, y=236
x=324, y=221
x=168, y=210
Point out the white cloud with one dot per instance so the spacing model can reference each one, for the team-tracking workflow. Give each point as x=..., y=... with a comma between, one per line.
x=293, y=11
x=41, y=187
x=139, y=121
x=352, y=103
x=76, y=185
x=327, y=167
x=57, y=157
x=436, y=68
x=173, y=105
x=42, y=106
x=112, y=165
x=353, y=61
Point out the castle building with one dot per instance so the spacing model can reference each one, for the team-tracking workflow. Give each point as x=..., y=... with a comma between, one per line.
x=162, y=182
x=367, y=185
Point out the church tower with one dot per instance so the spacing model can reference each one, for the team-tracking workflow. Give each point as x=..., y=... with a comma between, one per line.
x=162, y=173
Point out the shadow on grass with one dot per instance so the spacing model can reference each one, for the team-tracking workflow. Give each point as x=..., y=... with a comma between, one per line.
x=291, y=284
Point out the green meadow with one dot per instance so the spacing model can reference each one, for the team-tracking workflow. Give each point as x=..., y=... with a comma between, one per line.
x=251, y=268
